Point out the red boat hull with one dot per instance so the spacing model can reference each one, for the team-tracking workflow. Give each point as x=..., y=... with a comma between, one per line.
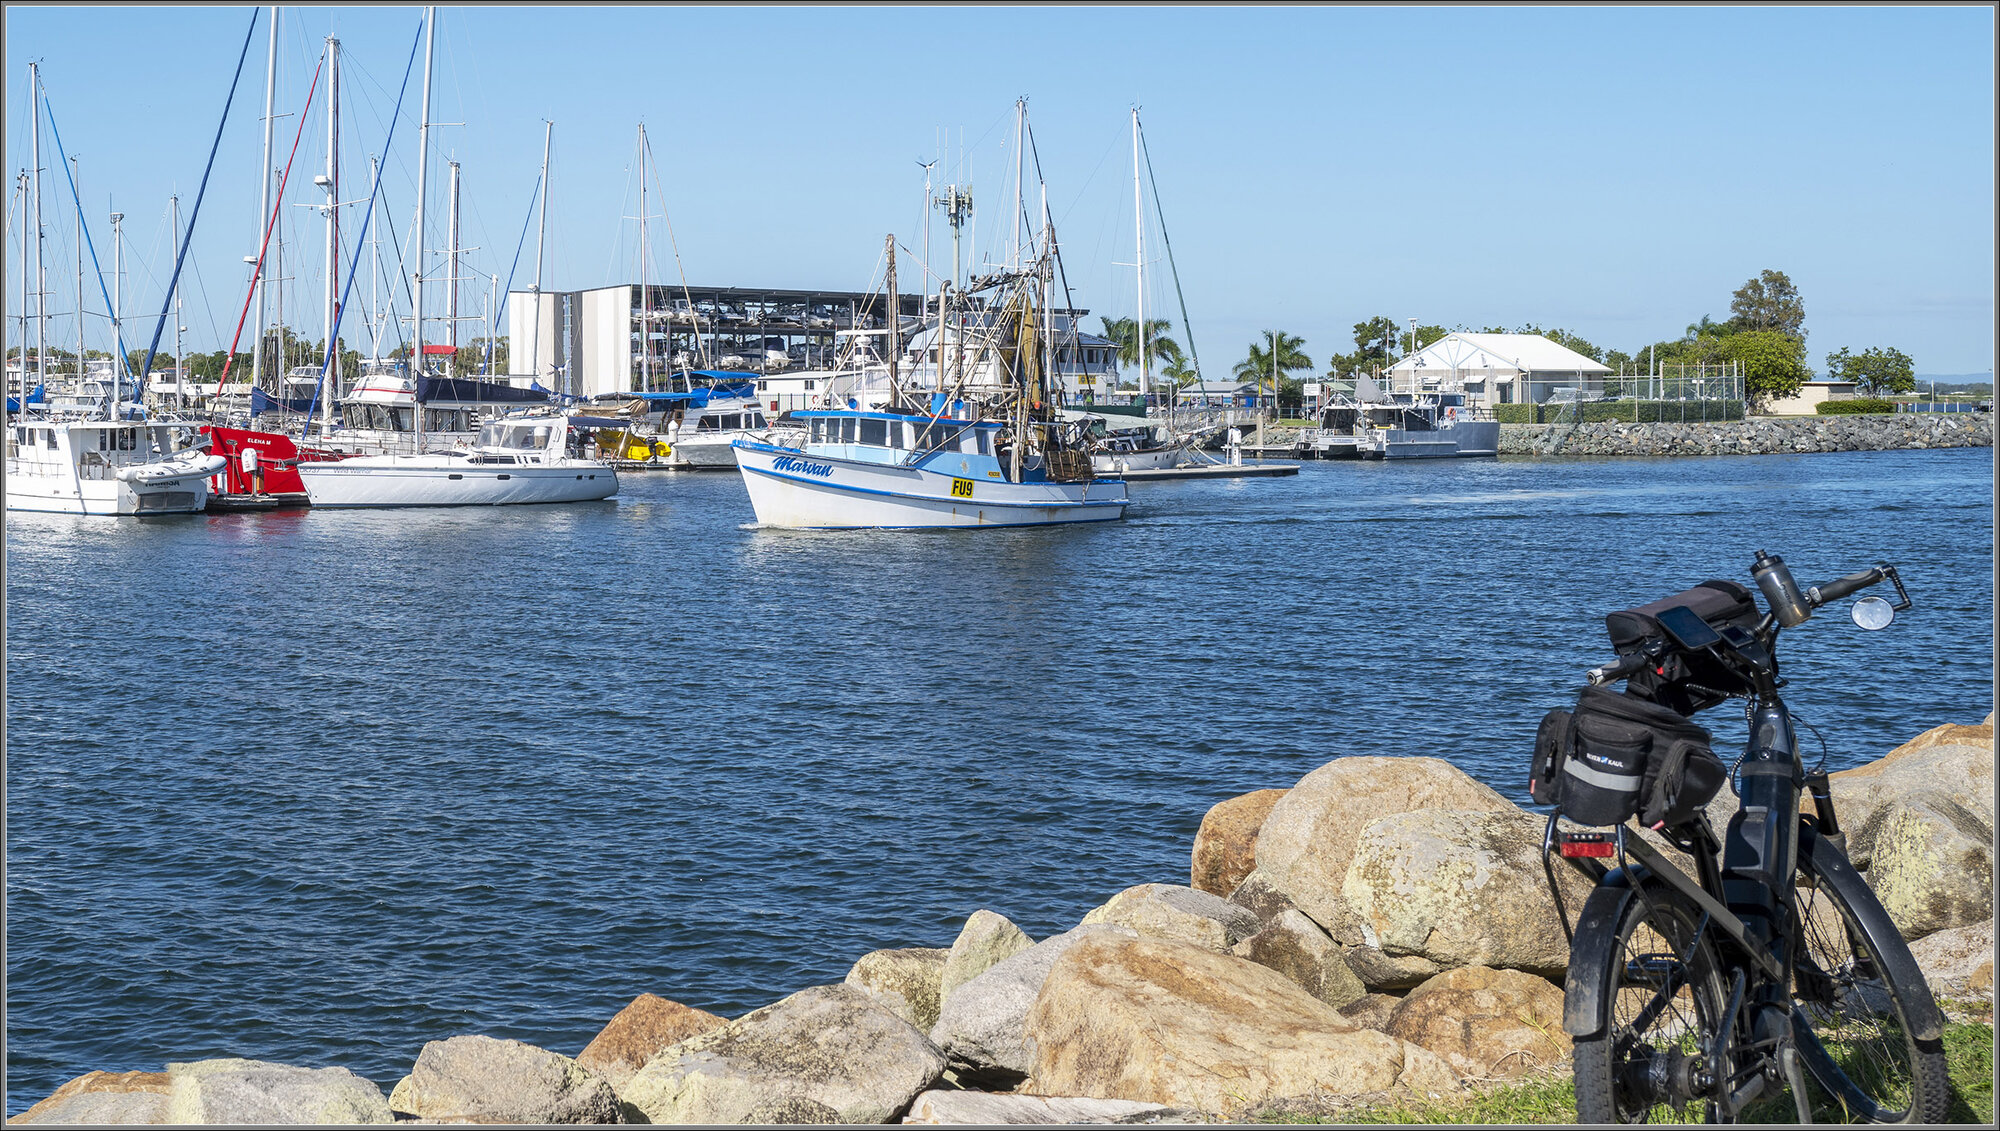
x=277, y=463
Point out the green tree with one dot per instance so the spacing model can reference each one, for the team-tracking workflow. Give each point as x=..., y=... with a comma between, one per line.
x=1774, y=364
x=1288, y=349
x=1159, y=347
x=1769, y=302
x=1374, y=347
x=1874, y=369
x=1180, y=372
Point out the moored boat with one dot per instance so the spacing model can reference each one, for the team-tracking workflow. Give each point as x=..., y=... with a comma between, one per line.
x=518, y=459
x=105, y=467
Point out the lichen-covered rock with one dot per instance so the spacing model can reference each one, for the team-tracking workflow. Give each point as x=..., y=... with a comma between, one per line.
x=502, y=1081
x=1438, y=889
x=1931, y=865
x=1294, y=946
x=1257, y=895
x=982, y=1026
x=1170, y=911
x=1173, y=1024
x=1486, y=1023
x=1949, y=767
x=103, y=1099
x=986, y=940
x=1225, y=846
x=640, y=1032
x=231, y=1090
x=826, y=1049
x=1308, y=839
x=1958, y=963
x=907, y=979
x=1371, y=1010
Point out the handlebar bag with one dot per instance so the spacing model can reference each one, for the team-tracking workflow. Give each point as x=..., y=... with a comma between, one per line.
x=1625, y=757
x=1687, y=686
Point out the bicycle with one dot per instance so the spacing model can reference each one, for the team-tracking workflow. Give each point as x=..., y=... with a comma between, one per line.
x=1766, y=961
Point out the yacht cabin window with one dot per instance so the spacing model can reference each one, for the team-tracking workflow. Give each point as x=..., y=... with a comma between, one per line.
x=847, y=429
x=875, y=432
x=49, y=437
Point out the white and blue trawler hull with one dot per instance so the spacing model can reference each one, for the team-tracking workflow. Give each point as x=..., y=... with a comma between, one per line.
x=793, y=490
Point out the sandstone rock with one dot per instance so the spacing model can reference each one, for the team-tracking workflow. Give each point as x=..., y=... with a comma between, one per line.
x=1438, y=889
x=1174, y=1024
x=1294, y=946
x=1169, y=911
x=1958, y=963
x=640, y=1032
x=998, y=1109
x=1372, y=1010
x=1225, y=847
x=1308, y=840
x=1257, y=895
x=986, y=940
x=1935, y=768
x=229, y=1090
x=826, y=1049
x=502, y=1081
x=1931, y=865
x=103, y=1098
x=982, y=1025
x=1486, y=1023
x=907, y=979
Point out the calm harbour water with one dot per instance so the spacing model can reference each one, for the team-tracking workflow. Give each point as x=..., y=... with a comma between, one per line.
x=320, y=787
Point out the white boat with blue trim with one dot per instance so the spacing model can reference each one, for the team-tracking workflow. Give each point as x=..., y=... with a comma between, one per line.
x=897, y=470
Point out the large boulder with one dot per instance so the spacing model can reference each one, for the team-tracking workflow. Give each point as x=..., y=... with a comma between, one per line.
x=502, y=1081
x=1169, y=1023
x=1294, y=946
x=906, y=980
x=1486, y=1023
x=1958, y=963
x=1259, y=896
x=1308, y=840
x=1438, y=889
x=1931, y=865
x=231, y=1090
x=987, y=939
x=982, y=1026
x=829, y=1054
x=1225, y=846
x=103, y=1099
x=992, y=1109
x=1950, y=766
x=640, y=1032
x=1182, y=914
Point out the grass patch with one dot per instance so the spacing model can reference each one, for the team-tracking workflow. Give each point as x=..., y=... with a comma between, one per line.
x=1968, y=1050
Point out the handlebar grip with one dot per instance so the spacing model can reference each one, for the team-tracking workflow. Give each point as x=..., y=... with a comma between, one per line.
x=1841, y=586
x=1618, y=669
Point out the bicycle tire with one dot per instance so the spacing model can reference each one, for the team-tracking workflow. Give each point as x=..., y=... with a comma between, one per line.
x=1862, y=1014
x=1663, y=995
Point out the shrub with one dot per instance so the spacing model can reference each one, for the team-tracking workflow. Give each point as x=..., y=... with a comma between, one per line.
x=1514, y=413
x=1855, y=407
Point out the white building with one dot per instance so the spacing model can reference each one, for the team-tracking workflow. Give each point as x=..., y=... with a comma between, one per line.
x=1495, y=369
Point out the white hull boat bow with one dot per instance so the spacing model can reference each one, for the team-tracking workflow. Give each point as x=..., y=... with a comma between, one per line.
x=105, y=467
x=521, y=459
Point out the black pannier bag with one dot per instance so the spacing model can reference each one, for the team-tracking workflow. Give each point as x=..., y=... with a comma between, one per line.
x=1618, y=756
x=1717, y=602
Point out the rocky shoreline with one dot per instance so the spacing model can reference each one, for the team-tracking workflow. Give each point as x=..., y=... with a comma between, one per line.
x=1758, y=435
x=1378, y=932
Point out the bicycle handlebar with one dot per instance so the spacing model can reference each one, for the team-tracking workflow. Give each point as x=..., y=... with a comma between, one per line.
x=1840, y=587
x=1617, y=669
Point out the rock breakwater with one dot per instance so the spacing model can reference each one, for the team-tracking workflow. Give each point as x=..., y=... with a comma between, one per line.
x=1755, y=436
x=1385, y=936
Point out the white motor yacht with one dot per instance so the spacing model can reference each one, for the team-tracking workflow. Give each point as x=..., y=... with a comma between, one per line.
x=105, y=467
x=517, y=459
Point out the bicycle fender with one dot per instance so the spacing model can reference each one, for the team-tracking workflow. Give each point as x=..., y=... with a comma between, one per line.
x=1828, y=861
x=1587, y=984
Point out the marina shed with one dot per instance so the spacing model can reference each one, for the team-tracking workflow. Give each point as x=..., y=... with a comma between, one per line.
x=1495, y=369
x=1810, y=396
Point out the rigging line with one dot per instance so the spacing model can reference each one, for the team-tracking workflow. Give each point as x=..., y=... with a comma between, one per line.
x=277, y=207
x=1070, y=337
x=361, y=241
x=701, y=349
x=1162, y=215
x=501, y=313
x=167, y=304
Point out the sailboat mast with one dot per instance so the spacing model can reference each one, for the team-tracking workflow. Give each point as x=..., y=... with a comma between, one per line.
x=895, y=320
x=1020, y=121
x=117, y=306
x=21, y=185
x=329, y=378
x=541, y=236
x=264, y=193
x=451, y=272
x=41, y=266
x=374, y=265
x=645, y=292
x=79, y=270
x=417, y=288
x=180, y=357
x=1139, y=241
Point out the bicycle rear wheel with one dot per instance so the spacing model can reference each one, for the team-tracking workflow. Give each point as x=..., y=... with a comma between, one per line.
x=1859, y=1001
x=1660, y=1006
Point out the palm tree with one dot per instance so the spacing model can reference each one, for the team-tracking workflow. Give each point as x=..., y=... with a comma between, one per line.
x=1180, y=372
x=1289, y=352
x=1159, y=347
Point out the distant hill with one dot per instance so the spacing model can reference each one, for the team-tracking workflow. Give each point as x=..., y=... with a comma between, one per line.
x=1957, y=382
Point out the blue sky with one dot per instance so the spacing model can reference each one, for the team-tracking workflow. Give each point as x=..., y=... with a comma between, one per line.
x=1613, y=171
